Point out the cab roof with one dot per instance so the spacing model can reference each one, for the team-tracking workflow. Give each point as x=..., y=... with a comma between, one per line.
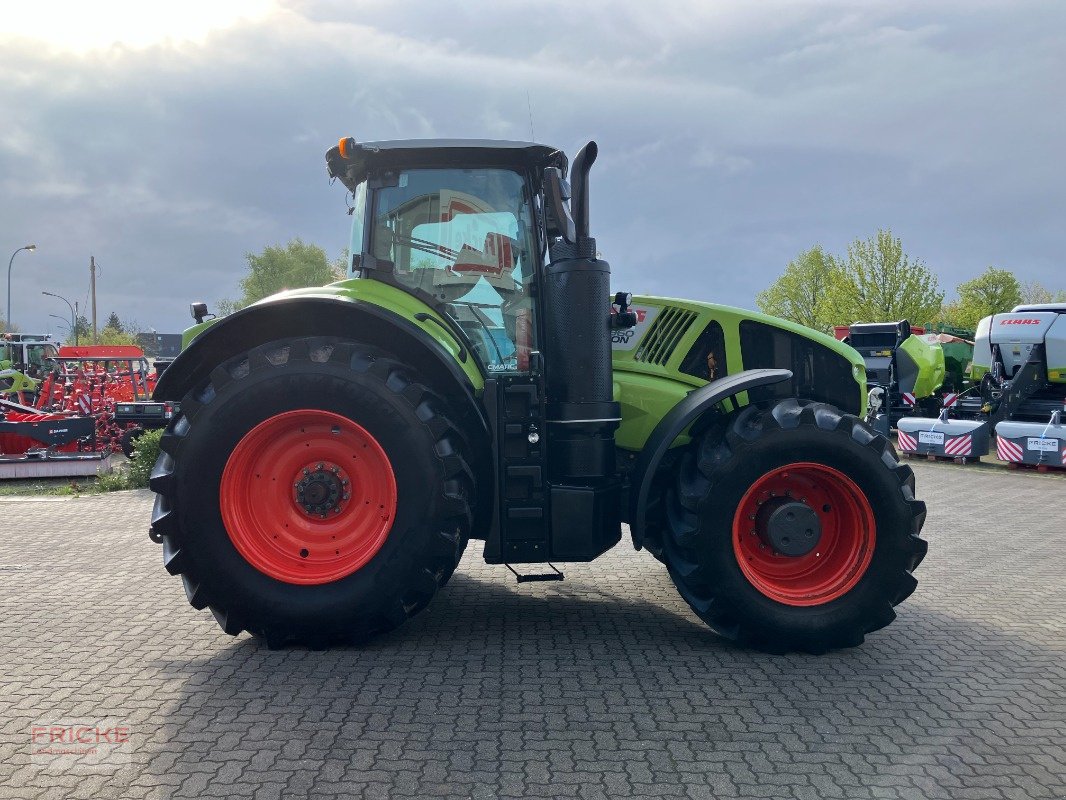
x=350, y=161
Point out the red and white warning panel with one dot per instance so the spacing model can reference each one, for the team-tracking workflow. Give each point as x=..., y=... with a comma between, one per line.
x=959, y=446
x=947, y=438
x=1037, y=443
x=909, y=399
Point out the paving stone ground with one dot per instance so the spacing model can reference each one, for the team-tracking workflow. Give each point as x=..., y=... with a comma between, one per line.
x=603, y=686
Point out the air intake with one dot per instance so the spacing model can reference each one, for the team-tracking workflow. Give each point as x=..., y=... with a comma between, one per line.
x=667, y=330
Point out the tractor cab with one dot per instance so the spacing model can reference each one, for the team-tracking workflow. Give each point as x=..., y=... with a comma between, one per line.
x=481, y=231
x=458, y=224
x=27, y=352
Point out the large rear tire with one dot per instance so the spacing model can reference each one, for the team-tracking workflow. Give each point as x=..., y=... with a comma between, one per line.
x=824, y=467
x=314, y=491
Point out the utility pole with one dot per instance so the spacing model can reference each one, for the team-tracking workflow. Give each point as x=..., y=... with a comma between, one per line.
x=92, y=288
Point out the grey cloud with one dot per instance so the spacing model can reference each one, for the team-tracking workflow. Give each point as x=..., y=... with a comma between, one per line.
x=733, y=135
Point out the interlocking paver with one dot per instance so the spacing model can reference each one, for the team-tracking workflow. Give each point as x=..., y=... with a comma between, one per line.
x=604, y=686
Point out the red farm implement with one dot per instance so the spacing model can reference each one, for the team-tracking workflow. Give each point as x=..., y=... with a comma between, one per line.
x=47, y=445
x=113, y=384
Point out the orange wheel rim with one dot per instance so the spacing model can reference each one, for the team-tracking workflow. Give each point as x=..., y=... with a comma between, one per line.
x=844, y=547
x=308, y=497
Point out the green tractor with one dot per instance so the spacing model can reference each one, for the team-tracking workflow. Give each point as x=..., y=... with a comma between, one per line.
x=336, y=447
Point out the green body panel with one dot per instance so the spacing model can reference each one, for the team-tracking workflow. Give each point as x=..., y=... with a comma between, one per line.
x=384, y=296
x=647, y=391
x=644, y=400
x=929, y=359
x=191, y=333
x=20, y=382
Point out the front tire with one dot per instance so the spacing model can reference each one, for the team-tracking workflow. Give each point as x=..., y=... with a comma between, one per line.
x=861, y=519
x=313, y=491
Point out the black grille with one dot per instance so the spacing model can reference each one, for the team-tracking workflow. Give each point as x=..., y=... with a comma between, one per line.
x=660, y=342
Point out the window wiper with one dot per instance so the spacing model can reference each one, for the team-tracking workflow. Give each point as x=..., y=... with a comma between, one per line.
x=478, y=315
x=426, y=246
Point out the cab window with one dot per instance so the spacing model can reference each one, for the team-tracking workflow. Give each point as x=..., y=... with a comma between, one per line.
x=464, y=238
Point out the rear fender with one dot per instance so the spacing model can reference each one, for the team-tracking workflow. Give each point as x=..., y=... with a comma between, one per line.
x=314, y=315
x=673, y=424
x=356, y=320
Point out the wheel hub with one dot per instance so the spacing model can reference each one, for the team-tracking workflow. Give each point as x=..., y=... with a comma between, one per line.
x=308, y=496
x=775, y=553
x=788, y=527
x=322, y=489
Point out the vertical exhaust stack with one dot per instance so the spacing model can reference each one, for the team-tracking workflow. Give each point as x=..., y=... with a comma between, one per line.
x=579, y=200
x=581, y=412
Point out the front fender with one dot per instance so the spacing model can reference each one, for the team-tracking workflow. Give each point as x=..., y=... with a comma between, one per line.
x=680, y=417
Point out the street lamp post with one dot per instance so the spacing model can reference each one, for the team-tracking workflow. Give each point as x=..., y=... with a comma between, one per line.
x=73, y=314
x=30, y=248
x=61, y=319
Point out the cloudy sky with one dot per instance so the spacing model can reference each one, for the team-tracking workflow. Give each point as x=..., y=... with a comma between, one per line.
x=732, y=134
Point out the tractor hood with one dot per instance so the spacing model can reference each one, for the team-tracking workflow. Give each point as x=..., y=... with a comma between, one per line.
x=678, y=345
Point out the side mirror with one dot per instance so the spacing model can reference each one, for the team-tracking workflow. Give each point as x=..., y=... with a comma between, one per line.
x=199, y=311
x=557, y=211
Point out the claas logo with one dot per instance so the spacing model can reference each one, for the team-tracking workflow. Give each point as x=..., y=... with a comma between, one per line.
x=1019, y=322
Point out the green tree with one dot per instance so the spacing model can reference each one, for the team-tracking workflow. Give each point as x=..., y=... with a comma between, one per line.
x=992, y=292
x=109, y=335
x=1033, y=292
x=277, y=268
x=84, y=329
x=878, y=282
x=800, y=293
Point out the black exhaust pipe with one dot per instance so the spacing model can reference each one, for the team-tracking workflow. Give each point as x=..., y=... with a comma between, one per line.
x=579, y=197
x=581, y=412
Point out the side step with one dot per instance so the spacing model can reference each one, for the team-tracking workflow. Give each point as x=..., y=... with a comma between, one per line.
x=554, y=575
